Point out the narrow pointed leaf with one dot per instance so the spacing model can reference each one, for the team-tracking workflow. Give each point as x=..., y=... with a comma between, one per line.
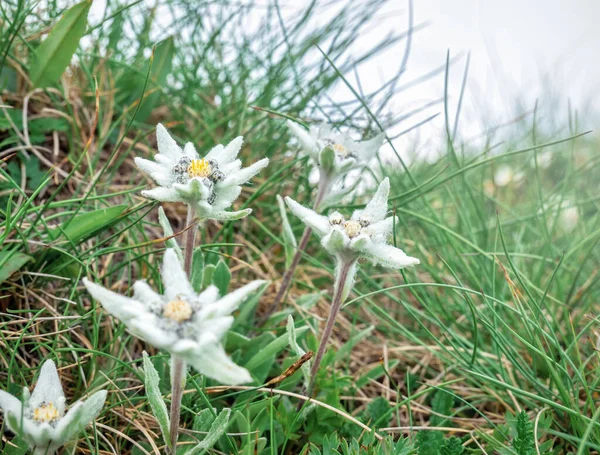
x=217, y=429
x=55, y=52
x=159, y=408
x=289, y=241
x=221, y=277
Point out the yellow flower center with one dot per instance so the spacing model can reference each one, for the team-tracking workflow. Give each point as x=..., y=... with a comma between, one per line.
x=199, y=168
x=178, y=311
x=340, y=149
x=45, y=413
x=352, y=228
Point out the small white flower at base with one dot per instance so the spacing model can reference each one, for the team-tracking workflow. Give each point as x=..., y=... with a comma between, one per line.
x=188, y=325
x=568, y=213
x=41, y=419
x=364, y=235
x=211, y=184
x=335, y=153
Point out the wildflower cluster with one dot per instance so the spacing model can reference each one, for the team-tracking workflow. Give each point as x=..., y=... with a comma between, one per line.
x=189, y=323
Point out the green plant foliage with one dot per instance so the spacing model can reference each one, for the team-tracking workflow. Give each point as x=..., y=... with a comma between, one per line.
x=523, y=444
x=56, y=51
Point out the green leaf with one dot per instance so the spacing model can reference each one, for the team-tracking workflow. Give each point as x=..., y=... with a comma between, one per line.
x=10, y=262
x=55, y=53
x=217, y=429
x=203, y=420
x=159, y=408
x=327, y=159
x=441, y=404
x=87, y=224
x=379, y=412
x=207, y=275
x=273, y=348
x=452, y=446
x=197, y=269
x=289, y=241
x=248, y=307
x=429, y=442
x=221, y=277
x=291, y=331
x=523, y=442
x=168, y=232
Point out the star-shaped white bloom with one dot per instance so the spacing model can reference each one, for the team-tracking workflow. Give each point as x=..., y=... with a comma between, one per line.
x=335, y=153
x=211, y=184
x=188, y=325
x=364, y=235
x=41, y=419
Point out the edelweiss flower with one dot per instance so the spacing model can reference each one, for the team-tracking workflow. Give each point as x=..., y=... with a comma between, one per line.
x=364, y=235
x=188, y=325
x=211, y=184
x=335, y=153
x=41, y=420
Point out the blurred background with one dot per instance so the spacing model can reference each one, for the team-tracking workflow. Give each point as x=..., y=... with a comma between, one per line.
x=509, y=55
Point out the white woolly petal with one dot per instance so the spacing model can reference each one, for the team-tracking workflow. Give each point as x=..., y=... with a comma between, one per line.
x=118, y=305
x=226, y=154
x=147, y=327
x=383, y=228
x=336, y=241
x=174, y=278
x=166, y=162
x=217, y=327
x=307, y=141
x=243, y=175
x=389, y=256
x=166, y=144
x=226, y=196
x=345, y=165
x=213, y=362
x=149, y=167
x=35, y=434
x=376, y=209
x=319, y=223
x=209, y=295
x=231, y=301
x=184, y=347
x=323, y=130
x=221, y=215
x=144, y=294
x=48, y=388
x=215, y=153
x=192, y=191
x=162, y=194
x=9, y=403
x=163, y=178
x=190, y=151
x=369, y=148
x=232, y=167
x=79, y=416
x=360, y=242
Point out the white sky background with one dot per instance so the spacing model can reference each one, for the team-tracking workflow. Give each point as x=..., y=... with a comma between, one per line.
x=520, y=51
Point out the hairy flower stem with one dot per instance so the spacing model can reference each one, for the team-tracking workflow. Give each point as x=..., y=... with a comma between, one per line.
x=286, y=281
x=190, y=237
x=338, y=300
x=177, y=364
